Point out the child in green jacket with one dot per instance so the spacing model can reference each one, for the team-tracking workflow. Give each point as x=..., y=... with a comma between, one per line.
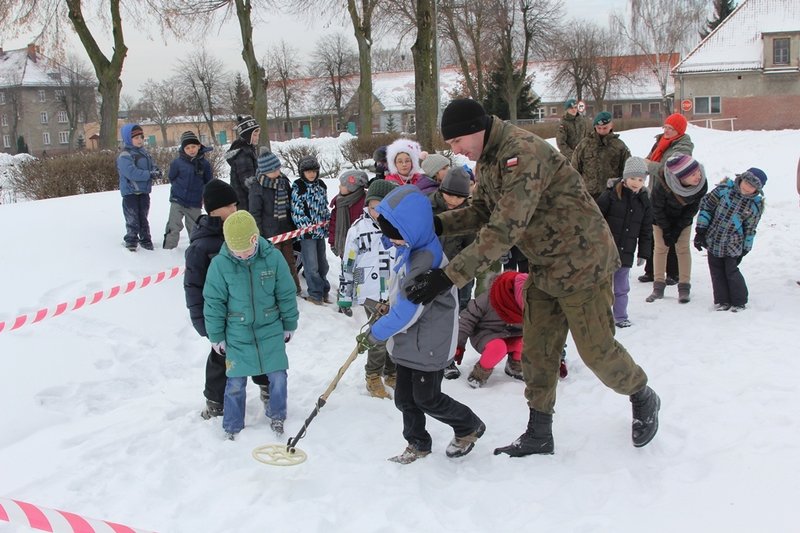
x=250, y=313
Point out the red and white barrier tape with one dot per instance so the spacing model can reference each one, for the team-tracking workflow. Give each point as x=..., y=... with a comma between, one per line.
x=55, y=521
x=60, y=309
x=41, y=314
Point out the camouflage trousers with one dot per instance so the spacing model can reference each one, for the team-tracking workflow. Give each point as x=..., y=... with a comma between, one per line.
x=587, y=315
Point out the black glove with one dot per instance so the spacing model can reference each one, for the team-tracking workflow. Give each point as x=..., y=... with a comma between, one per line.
x=428, y=286
x=669, y=238
x=437, y=225
x=700, y=240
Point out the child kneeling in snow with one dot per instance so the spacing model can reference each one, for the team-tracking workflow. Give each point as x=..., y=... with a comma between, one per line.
x=250, y=313
x=420, y=339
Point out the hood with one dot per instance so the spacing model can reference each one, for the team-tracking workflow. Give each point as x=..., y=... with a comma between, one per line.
x=404, y=146
x=206, y=226
x=126, y=134
x=408, y=210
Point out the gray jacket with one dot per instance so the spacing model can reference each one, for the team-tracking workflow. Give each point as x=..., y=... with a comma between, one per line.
x=480, y=323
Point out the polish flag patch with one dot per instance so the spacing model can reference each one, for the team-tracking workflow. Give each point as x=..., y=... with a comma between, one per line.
x=512, y=162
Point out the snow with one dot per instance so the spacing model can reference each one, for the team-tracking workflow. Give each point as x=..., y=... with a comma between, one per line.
x=101, y=405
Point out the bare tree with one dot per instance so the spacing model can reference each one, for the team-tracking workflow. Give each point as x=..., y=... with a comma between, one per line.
x=284, y=69
x=391, y=59
x=160, y=104
x=204, y=79
x=335, y=62
x=466, y=24
x=576, y=51
x=659, y=28
x=521, y=35
x=609, y=67
x=76, y=93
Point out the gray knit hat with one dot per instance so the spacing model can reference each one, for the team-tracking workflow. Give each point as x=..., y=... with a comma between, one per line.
x=456, y=182
x=635, y=167
x=353, y=180
x=434, y=163
x=378, y=190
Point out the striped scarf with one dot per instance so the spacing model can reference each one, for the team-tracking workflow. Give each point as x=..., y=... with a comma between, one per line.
x=281, y=188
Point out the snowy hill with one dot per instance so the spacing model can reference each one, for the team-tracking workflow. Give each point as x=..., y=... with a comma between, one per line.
x=100, y=405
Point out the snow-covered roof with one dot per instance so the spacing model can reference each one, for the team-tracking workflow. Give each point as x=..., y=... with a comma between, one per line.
x=18, y=68
x=737, y=44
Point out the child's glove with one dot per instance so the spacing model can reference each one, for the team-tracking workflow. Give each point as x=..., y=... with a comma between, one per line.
x=459, y=355
x=640, y=261
x=219, y=347
x=700, y=240
x=366, y=341
x=287, y=336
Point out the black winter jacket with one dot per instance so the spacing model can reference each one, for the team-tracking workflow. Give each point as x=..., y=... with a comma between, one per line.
x=630, y=218
x=204, y=243
x=262, y=207
x=243, y=161
x=669, y=213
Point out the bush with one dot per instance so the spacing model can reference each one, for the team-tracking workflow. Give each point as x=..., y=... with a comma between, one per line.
x=292, y=154
x=66, y=175
x=357, y=149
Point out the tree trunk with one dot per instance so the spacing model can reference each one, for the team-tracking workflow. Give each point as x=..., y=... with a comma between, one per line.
x=255, y=72
x=164, y=134
x=426, y=75
x=107, y=71
x=362, y=28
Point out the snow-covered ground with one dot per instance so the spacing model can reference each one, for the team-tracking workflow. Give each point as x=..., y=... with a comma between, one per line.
x=100, y=406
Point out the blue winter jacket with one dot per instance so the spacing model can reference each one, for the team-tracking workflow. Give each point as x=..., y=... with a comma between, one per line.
x=134, y=166
x=310, y=206
x=422, y=337
x=730, y=219
x=249, y=303
x=188, y=176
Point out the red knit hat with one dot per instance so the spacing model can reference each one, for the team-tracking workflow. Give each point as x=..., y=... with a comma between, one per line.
x=503, y=299
x=677, y=121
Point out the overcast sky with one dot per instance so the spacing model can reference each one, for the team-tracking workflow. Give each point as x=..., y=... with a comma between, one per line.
x=150, y=57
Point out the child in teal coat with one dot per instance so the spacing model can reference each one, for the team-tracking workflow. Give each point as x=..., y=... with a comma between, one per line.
x=250, y=311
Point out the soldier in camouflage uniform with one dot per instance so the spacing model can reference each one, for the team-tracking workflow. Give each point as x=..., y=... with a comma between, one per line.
x=600, y=156
x=572, y=128
x=527, y=195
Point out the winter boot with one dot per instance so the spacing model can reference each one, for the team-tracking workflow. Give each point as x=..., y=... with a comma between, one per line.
x=230, y=436
x=390, y=380
x=375, y=387
x=738, y=308
x=212, y=409
x=276, y=425
x=658, y=291
x=461, y=446
x=537, y=439
x=264, y=394
x=451, y=371
x=683, y=292
x=513, y=368
x=646, y=404
x=409, y=455
x=477, y=378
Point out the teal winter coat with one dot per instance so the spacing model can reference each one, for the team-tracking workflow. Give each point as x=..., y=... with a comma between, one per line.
x=249, y=303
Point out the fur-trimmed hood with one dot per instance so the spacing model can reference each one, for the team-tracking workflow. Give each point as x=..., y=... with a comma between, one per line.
x=407, y=146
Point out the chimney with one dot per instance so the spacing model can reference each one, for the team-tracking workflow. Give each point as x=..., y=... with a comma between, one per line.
x=32, y=52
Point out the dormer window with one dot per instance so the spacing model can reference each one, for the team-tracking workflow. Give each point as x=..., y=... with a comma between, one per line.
x=780, y=51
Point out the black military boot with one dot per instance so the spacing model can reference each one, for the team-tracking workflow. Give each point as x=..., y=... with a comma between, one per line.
x=646, y=404
x=537, y=439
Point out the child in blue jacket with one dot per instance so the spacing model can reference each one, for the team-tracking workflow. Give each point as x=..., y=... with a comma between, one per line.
x=188, y=174
x=136, y=170
x=726, y=226
x=420, y=339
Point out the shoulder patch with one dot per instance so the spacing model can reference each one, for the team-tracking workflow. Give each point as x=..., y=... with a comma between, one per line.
x=512, y=162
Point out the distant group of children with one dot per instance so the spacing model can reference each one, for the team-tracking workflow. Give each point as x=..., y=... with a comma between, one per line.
x=382, y=231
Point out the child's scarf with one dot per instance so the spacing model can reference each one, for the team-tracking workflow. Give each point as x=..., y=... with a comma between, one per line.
x=281, y=188
x=343, y=222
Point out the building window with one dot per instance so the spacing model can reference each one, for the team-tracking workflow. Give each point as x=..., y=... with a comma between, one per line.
x=63, y=137
x=539, y=114
x=287, y=126
x=636, y=110
x=654, y=110
x=616, y=110
x=554, y=111
x=43, y=117
x=339, y=126
x=6, y=141
x=780, y=51
x=59, y=95
x=2, y=97
x=62, y=117
x=4, y=120
x=46, y=138
x=707, y=105
x=42, y=95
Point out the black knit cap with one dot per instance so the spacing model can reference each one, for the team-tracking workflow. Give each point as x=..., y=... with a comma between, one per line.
x=218, y=194
x=389, y=230
x=463, y=117
x=188, y=137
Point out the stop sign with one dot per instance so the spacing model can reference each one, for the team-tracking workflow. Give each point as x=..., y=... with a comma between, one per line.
x=686, y=105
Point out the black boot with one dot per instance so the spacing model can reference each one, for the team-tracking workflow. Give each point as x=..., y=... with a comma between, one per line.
x=646, y=404
x=537, y=439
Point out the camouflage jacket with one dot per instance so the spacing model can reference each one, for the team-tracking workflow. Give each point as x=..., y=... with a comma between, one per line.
x=599, y=159
x=681, y=145
x=571, y=130
x=528, y=195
